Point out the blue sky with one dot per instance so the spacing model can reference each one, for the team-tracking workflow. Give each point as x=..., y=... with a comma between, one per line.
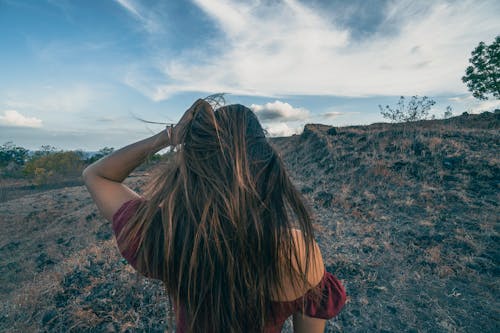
x=73, y=74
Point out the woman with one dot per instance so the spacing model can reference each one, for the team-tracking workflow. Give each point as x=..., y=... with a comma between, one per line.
x=222, y=226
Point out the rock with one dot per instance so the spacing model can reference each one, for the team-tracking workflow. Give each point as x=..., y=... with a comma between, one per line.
x=332, y=131
x=43, y=260
x=324, y=197
x=306, y=189
x=452, y=162
x=48, y=316
x=396, y=166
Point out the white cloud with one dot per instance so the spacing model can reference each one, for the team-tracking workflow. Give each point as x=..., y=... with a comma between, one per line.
x=281, y=129
x=280, y=118
x=473, y=105
x=287, y=48
x=278, y=110
x=481, y=106
x=14, y=118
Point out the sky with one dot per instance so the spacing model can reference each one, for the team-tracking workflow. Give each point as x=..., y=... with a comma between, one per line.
x=78, y=74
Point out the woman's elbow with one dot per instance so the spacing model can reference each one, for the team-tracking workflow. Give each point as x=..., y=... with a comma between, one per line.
x=87, y=173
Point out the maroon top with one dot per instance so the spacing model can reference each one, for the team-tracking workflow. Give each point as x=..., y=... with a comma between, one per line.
x=331, y=303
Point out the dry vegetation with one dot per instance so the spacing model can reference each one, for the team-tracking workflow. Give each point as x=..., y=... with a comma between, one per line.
x=406, y=217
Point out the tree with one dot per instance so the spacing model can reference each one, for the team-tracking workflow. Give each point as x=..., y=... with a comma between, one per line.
x=44, y=150
x=12, y=153
x=448, y=113
x=100, y=154
x=416, y=109
x=483, y=77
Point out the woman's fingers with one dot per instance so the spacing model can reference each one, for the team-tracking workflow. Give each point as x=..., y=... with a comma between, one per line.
x=186, y=119
x=188, y=115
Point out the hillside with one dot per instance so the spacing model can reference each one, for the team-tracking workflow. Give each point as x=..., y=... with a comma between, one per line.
x=406, y=216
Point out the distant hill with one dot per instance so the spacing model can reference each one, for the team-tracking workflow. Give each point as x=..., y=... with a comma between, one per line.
x=406, y=216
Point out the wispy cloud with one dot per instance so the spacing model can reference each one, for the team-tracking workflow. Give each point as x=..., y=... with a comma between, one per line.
x=129, y=6
x=50, y=99
x=107, y=119
x=60, y=51
x=146, y=17
x=14, y=118
x=333, y=114
x=288, y=48
x=462, y=99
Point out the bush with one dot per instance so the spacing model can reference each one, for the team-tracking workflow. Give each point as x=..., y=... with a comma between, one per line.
x=54, y=166
x=416, y=109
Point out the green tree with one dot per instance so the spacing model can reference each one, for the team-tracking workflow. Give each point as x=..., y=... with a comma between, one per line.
x=416, y=109
x=483, y=76
x=45, y=150
x=100, y=154
x=9, y=152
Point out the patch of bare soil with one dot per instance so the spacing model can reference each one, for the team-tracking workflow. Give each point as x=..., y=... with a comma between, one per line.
x=18, y=188
x=406, y=216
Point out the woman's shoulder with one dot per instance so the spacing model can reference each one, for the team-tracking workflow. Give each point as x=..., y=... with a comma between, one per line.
x=315, y=273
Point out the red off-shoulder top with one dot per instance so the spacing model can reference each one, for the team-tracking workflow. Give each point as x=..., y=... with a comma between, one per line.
x=333, y=292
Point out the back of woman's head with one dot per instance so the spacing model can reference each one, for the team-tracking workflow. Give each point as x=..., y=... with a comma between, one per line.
x=224, y=242
x=227, y=149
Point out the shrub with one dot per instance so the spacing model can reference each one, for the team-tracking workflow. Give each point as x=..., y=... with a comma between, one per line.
x=448, y=113
x=55, y=166
x=416, y=109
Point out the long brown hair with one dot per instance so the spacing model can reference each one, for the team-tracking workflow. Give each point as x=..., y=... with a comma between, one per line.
x=224, y=241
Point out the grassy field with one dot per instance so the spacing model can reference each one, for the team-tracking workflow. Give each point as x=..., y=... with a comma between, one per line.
x=406, y=216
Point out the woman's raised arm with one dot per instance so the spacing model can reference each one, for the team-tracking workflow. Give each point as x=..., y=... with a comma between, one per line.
x=104, y=177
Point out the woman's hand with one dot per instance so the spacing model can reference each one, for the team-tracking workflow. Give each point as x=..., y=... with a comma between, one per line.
x=175, y=133
x=172, y=134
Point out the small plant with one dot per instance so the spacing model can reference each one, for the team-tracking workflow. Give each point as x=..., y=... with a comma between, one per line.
x=448, y=113
x=42, y=176
x=416, y=109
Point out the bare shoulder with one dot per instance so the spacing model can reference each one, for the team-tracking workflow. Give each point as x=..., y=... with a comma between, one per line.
x=317, y=267
x=314, y=274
